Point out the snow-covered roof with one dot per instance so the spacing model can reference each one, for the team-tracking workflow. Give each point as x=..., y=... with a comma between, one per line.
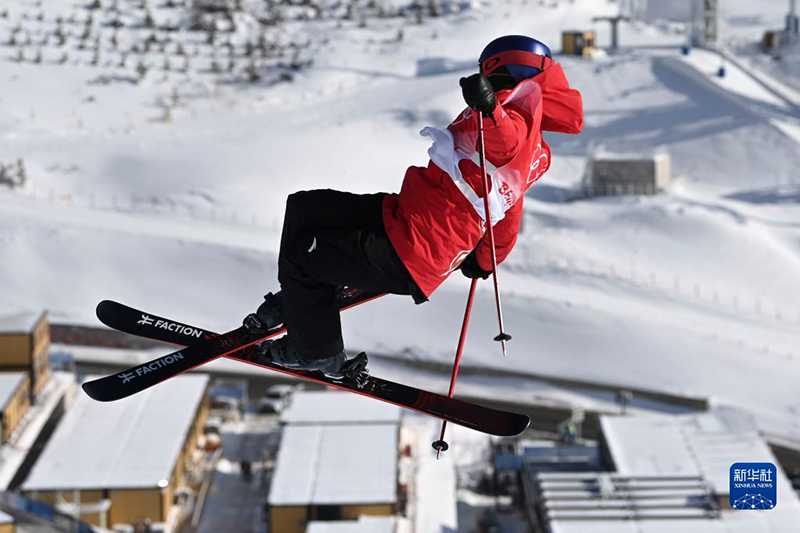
x=336, y=465
x=9, y=383
x=703, y=444
x=19, y=323
x=365, y=524
x=333, y=407
x=131, y=443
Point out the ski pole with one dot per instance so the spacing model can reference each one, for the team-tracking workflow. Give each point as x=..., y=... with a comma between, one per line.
x=502, y=336
x=440, y=445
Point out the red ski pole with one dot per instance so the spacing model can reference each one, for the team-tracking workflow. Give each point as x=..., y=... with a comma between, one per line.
x=502, y=336
x=440, y=445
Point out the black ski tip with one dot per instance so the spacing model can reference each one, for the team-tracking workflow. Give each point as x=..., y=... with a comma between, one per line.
x=440, y=446
x=102, y=306
x=92, y=392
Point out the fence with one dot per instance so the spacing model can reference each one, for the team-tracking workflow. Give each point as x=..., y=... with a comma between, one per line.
x=677, y=284
x=154, y=204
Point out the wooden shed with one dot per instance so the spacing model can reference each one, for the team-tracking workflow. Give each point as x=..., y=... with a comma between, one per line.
x=14, y=401
x=7, y=523
x=578, y=43
x=338, y=461
x=24, y=344
x=118, y=463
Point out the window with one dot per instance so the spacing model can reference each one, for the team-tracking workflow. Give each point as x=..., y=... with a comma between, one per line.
x=327, y=512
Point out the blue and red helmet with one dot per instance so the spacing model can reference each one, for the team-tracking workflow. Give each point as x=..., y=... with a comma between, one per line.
x=508, y=60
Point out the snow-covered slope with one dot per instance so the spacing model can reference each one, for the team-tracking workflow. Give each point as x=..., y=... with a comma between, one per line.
x=693, y=291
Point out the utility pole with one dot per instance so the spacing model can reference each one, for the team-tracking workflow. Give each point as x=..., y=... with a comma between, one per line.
x=710, y=17
x=614, y=27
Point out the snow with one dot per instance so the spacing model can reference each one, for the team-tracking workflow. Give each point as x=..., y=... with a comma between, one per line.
x=365, y=524
x=432, y=482
x=6, y=518
x=9, y=384
x=331, y=407
x=59, y=391
x=114, y=445
x=18, y=323
x=690, y=292
x=336, y=465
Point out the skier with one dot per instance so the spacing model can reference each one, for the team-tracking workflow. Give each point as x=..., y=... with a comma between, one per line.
x=409, y=243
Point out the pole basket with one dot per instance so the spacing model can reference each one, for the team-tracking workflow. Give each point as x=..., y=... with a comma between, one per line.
x=440, y=446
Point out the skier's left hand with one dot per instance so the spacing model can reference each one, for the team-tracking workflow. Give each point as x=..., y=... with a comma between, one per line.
x=471, y=269
x=478, y=93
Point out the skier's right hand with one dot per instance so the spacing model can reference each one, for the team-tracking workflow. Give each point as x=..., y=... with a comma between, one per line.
x=471, y=269
x=478, y=93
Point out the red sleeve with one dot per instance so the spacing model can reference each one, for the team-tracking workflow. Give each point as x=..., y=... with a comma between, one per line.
x=505, y=236
x=505, y=135
x=504, y=132
x=562, y=105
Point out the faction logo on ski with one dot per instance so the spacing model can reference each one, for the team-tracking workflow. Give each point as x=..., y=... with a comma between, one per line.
x=152, y=366
x=171, y=326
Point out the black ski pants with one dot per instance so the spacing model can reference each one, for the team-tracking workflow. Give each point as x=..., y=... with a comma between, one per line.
x=332, y=238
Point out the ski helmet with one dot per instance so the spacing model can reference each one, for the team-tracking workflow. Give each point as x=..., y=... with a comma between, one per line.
x=508, y=60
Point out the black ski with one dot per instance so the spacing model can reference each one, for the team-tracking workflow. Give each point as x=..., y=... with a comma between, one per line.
x=207, y=346
x=127, y=319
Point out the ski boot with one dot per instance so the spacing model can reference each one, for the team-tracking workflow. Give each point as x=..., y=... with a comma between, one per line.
x=337, y=367
x=268, y=316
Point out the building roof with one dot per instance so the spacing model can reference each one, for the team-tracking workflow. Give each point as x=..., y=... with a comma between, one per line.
x=702, y=444
x=593, y=496
x=131, y=443
x=9, y=383
x=365, y=524
x=334, y=407
x=19, y=323
x=336, y=465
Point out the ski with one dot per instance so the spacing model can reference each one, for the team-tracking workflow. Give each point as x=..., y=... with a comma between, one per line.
x=467, y=414
x=206, y=347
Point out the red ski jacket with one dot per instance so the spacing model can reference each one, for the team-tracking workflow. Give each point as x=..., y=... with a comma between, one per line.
x=438, y=217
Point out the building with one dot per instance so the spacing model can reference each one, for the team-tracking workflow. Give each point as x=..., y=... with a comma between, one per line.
x=15, y=399
x=668, y=473
x=616, y=174
x=578, y=43
x=338, y=461
x=24, y=343
x=124, y=461
x=7, y=524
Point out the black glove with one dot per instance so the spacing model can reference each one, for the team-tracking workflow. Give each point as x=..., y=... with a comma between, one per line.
x=478, y=93
x=471, y=269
